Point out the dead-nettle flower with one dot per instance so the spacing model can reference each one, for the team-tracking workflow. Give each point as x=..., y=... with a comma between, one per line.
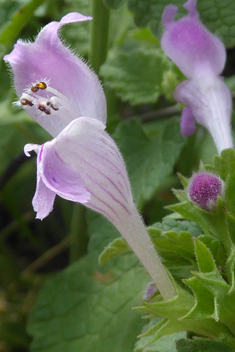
x=201, y=56
x=82, y=163
x=204, y=189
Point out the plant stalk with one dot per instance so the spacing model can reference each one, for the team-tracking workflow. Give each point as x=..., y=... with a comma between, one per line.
x=99, y=35
x=78, y=233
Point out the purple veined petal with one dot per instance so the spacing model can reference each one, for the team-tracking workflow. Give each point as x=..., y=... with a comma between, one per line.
x=83, y=148
x=190, y=45
x=47, y=59
x=59, y=177
x=211, y=104
x=187, y=122
x=68, y=160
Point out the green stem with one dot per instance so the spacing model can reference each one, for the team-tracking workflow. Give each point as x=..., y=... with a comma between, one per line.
x=99, y=34
x=78, y=233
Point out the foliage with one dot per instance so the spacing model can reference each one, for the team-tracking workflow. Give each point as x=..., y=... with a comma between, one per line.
x=218, y=17
x=74, y=283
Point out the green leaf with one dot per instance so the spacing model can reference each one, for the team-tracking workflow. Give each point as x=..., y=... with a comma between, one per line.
x=183, y=180
x=225, y=163
x=149, y=160
x=81, y=309
x=176, y=251
x=230, y=266
x=135, y=74
x=230, y=192
x=188, y=211
x=118, y=246
x=212, y=223
x=215, y=247
x=199, y=344
x=204, y=301
x=175, y=319
x=223, y=297
x=163, y=344
x=101, y=233
x=178, y=226
x=204, y=257
x=218, y=17
x=230, y=220
x=84, y=309
x=171, y=242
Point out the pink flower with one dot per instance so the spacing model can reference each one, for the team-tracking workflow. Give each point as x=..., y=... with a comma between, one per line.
x=82, y=163
x=201, y=56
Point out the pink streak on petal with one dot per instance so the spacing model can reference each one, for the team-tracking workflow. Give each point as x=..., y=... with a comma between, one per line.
x=113, y=198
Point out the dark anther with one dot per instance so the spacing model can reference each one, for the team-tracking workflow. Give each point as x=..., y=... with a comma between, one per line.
x=24, y=101
x=54, y=107
x=34, y=89
x=44, y=109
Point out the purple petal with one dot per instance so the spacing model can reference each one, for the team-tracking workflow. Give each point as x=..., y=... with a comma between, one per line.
x=190, y=45
x=187, y=122
x=29, y=147
x=47, y=58
x=83, y=164
x=86, y=147
x=59, y=177
x=83, y=161
x=211, y=104
x=43, y=199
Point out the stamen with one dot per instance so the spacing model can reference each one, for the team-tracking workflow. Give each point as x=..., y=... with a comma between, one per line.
x=44, y=107
x=48, y=104
x=40, y=85
x=26, y=100
x=62, y=100
x=54, y=103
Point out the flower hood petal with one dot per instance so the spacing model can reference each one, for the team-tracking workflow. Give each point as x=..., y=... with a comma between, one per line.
x=48, y=59
x=190, y=45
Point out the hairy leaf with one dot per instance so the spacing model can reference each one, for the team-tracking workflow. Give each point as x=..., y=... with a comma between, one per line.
x=149, y=160
x=202, y=345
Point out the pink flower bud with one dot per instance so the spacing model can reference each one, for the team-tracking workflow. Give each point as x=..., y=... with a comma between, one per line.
x=204, y=189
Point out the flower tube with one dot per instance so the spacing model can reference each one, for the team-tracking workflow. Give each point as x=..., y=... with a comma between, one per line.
x=82, y=162
x=201, y=57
